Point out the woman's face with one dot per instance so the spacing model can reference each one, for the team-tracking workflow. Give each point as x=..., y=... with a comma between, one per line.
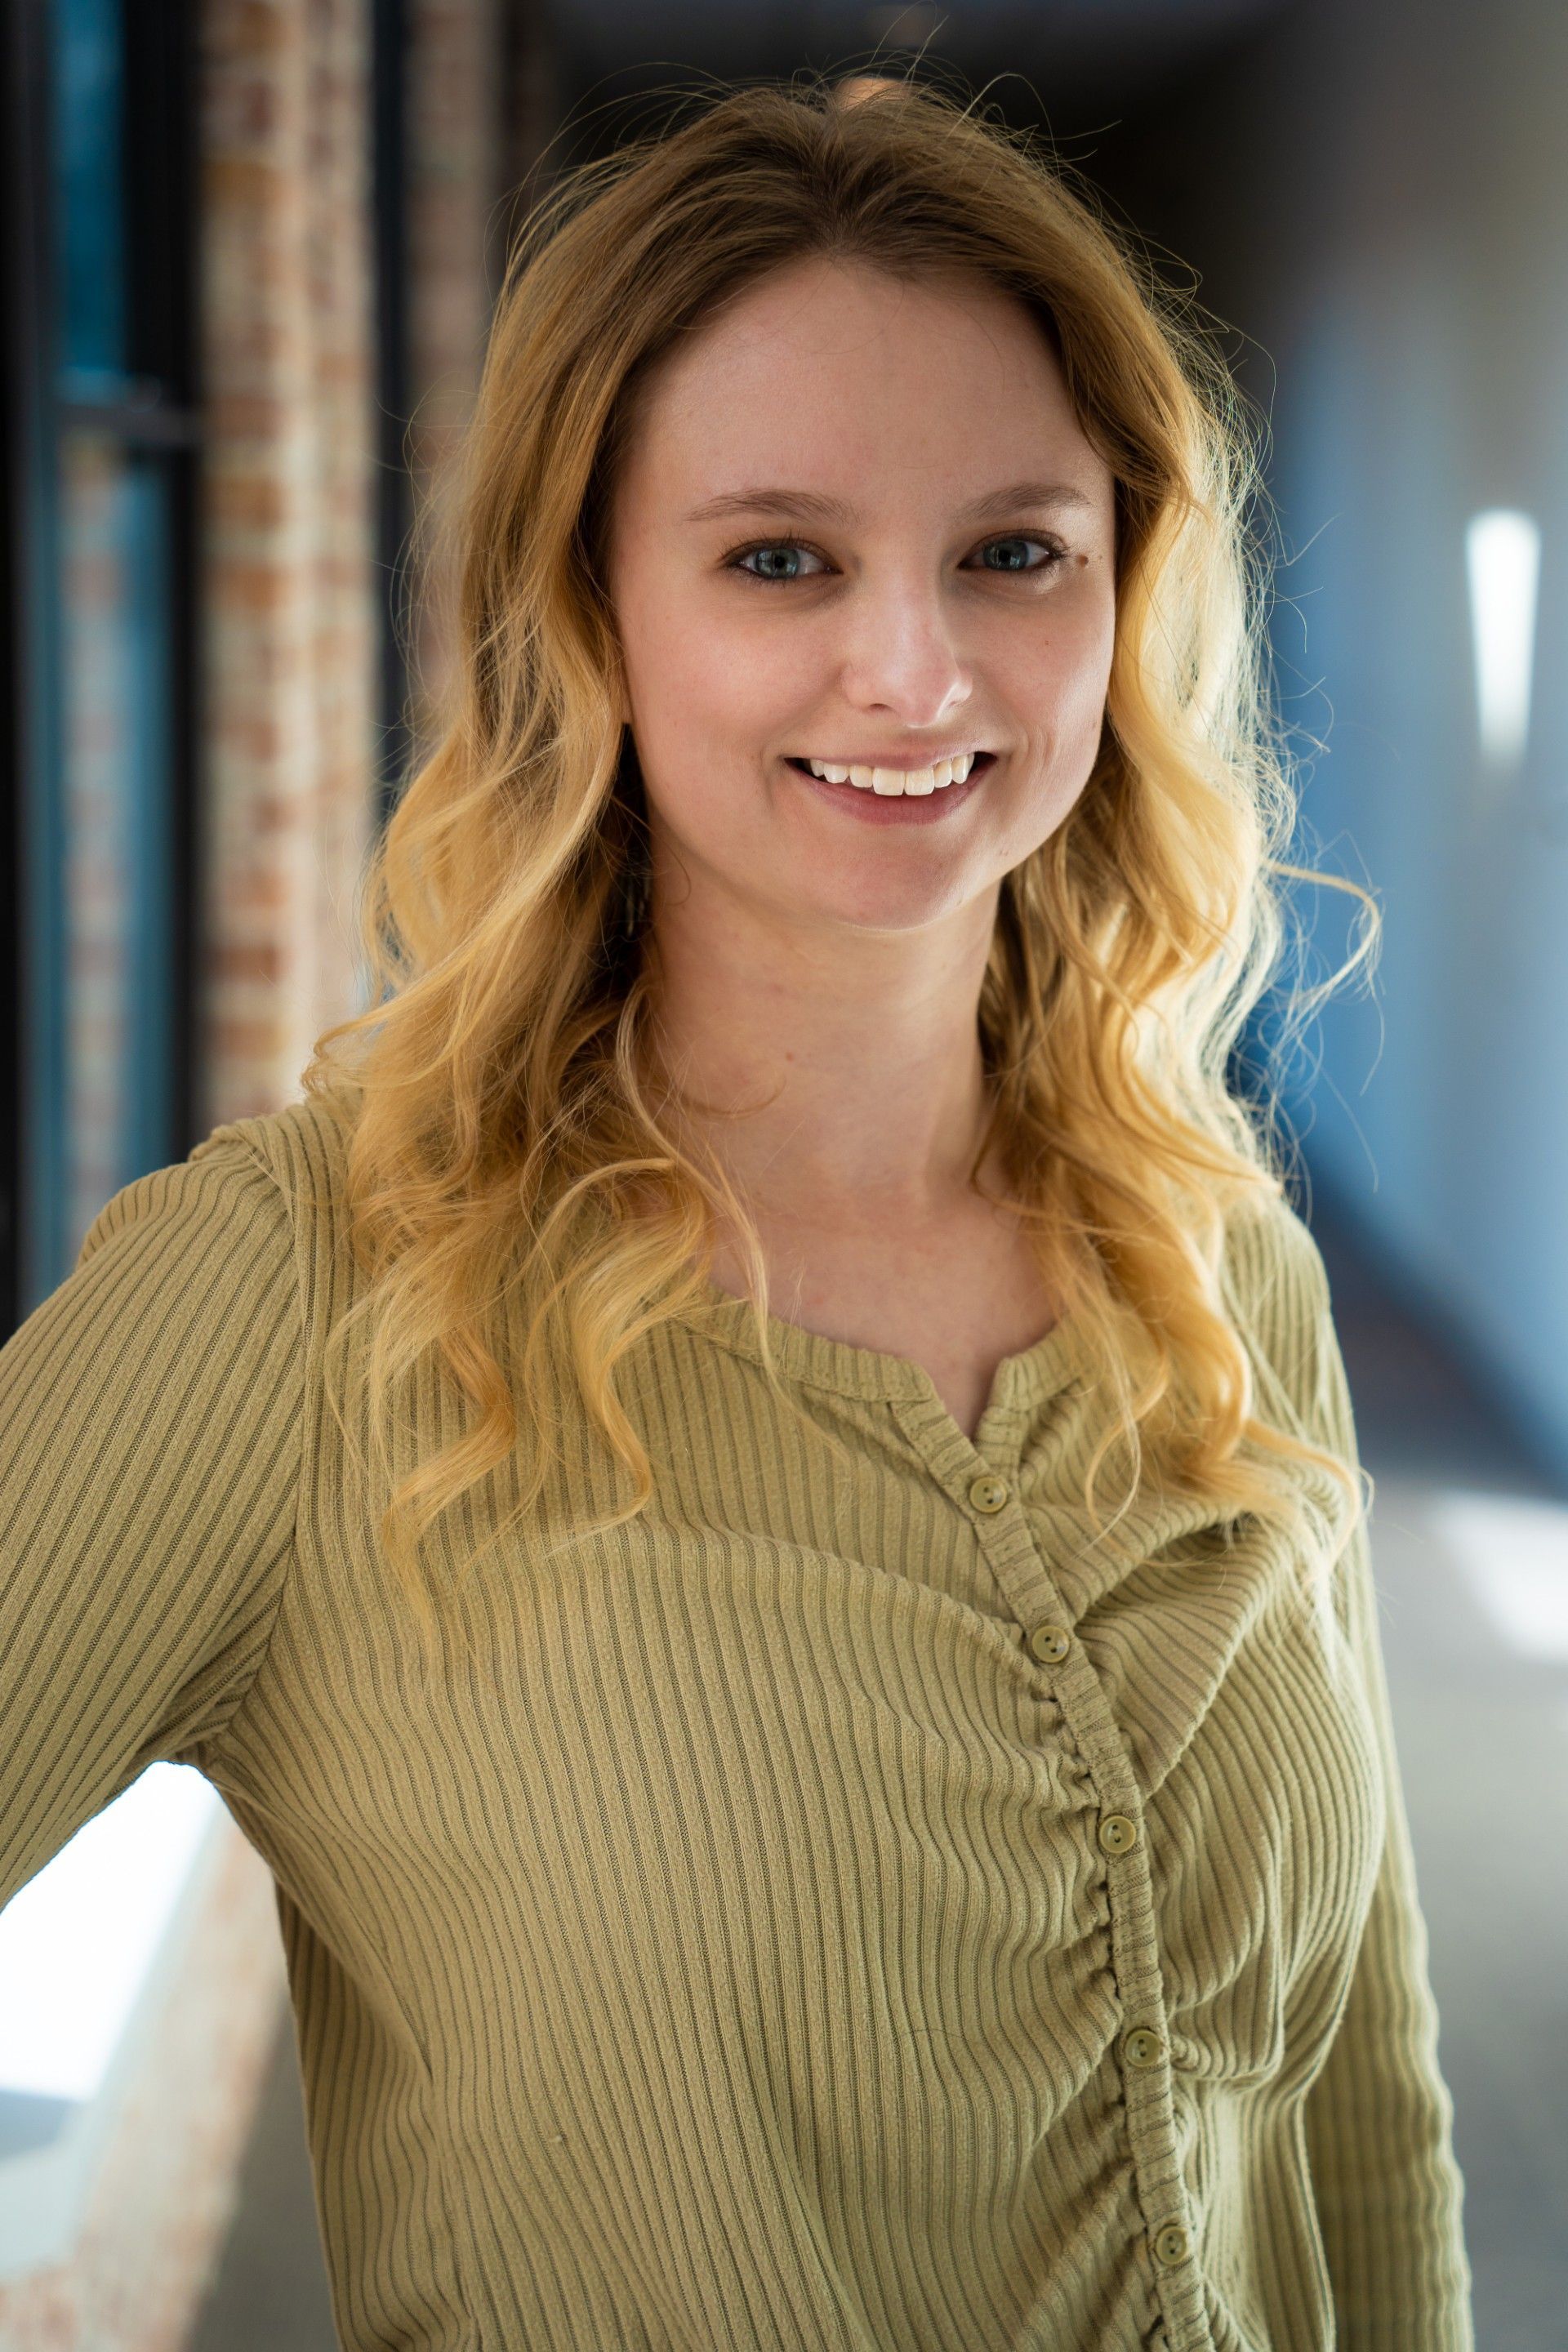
x=860, y=524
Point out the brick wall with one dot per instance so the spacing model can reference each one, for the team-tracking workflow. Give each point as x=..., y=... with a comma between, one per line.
x=455, y=131
x=293, y=599
x=289, y=588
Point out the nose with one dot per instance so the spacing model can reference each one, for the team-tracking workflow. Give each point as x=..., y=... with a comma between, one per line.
x=900, y=653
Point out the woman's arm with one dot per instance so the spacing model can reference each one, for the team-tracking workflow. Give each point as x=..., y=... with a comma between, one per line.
x=150, y=1420
x=1379, y=2117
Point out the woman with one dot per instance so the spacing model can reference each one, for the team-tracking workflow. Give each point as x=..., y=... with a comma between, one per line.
x=754, y=1500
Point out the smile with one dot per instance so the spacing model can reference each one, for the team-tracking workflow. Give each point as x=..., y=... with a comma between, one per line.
x=892, y=782
x=901, y=797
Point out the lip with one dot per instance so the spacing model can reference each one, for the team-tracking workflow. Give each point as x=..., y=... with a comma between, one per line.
x=896, y=808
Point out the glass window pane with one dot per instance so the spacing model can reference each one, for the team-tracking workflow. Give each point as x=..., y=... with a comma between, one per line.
x=114, y=558
x=89, y=80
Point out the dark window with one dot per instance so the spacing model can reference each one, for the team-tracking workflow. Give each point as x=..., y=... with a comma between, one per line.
x=101, y=445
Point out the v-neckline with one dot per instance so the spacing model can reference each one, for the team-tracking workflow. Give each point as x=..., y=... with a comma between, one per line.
x=1021, y=1378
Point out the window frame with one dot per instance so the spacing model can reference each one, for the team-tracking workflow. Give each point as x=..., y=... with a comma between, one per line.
x=154, y=413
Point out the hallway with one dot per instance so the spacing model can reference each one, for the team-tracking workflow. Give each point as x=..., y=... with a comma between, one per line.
x=253, y=257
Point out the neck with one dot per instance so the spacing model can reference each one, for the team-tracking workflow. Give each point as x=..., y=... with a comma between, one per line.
x=855, y=1056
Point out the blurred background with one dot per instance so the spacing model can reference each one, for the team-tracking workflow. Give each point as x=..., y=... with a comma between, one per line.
x=250, y=248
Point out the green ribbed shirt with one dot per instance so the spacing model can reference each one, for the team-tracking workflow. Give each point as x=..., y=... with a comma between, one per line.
x=839, y=1911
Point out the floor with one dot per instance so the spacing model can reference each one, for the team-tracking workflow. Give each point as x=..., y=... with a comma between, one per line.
x=1471, y=1539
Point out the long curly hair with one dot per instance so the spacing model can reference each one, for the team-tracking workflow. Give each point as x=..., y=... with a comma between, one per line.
x=507, y=1138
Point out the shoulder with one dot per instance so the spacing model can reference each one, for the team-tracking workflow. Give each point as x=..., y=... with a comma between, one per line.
x=300, y=1151
x=244, y=1215
x=1273, y=1267
x=1276, y=1290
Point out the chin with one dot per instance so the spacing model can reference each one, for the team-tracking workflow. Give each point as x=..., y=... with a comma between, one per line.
x=878, y=906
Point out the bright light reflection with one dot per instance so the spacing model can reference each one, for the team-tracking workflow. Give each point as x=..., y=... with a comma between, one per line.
x=76, y=1944
x=1503, y=557
x=1514, y=1552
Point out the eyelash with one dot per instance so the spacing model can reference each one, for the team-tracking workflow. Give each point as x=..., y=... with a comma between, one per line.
x=1053, y=548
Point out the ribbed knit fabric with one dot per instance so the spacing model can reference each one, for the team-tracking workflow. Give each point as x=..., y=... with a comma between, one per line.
x=771, y=1945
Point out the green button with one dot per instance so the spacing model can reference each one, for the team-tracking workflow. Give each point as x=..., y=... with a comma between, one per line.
x=988, y=1493
x=1118, y=1835
x=1171, y=2244
x=1142, y=2047
x=1051, y=1642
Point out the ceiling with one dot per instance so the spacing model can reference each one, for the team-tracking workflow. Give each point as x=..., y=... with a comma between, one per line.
x=1077, y=52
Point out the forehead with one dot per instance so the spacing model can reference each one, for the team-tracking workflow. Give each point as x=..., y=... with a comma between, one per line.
x=840, y=378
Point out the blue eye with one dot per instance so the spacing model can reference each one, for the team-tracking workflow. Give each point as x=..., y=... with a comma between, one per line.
x=770, y=547
x=739, y=560
x=1052, y=552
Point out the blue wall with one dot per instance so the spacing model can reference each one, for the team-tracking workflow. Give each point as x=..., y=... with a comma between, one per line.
x=1404, y=245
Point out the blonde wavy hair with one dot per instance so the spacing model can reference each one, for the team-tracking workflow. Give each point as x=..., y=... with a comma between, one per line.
x=507, y=1132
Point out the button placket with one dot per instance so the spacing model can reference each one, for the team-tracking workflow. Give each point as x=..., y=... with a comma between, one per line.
x=1010, y=1540
x=1122, y=1835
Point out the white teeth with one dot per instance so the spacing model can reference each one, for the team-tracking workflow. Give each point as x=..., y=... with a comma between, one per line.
x=914, y=781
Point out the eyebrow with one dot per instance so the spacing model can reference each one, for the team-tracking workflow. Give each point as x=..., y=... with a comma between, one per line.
x=811, y=502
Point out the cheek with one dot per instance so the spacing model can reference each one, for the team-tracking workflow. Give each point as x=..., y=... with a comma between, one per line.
x=1070, y=675
x=698, y=726
x=704, y=675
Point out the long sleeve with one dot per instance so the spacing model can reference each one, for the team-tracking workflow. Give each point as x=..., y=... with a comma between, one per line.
x=1379, y=2117
x=151, y=1417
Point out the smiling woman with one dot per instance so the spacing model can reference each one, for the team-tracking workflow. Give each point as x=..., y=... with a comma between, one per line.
x=891, y=648
x=771, y=1856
